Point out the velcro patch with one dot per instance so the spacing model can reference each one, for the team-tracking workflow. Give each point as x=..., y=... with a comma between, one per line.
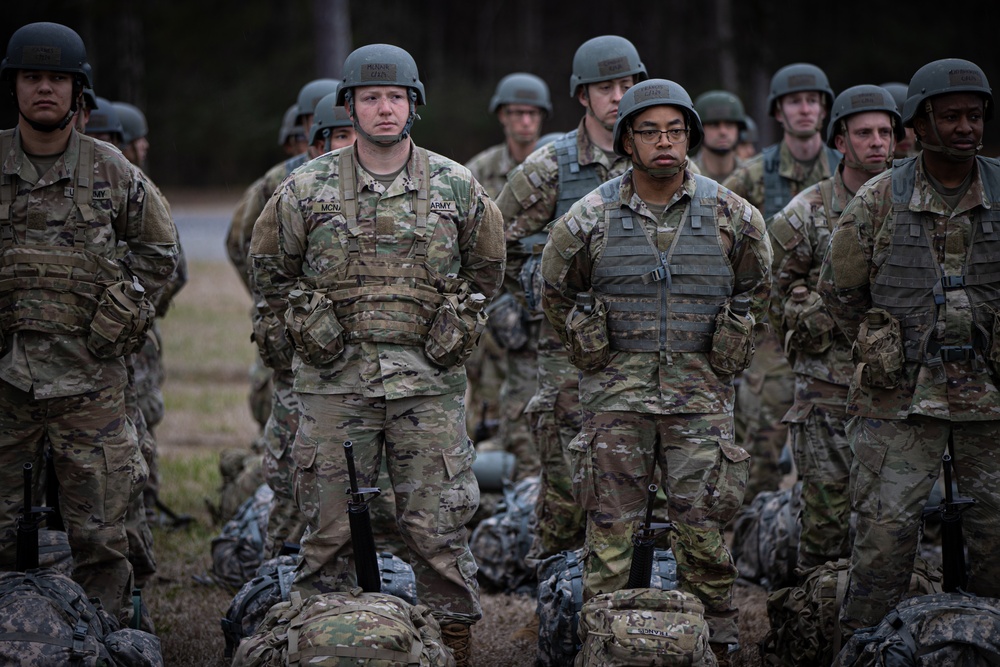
x=613, y=66
x=378, y=72
x=102, y=193
x=443, y=207
x=326, y=207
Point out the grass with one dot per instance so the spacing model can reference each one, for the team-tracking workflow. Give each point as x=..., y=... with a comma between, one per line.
x=207, y=354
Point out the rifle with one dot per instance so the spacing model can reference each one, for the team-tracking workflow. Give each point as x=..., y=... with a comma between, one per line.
x=27, y=527
x=952, y=540
x=640, y=571
x=362, y=537
x=55, y=520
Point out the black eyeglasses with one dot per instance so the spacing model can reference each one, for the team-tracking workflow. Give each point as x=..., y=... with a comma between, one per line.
x=650, y=137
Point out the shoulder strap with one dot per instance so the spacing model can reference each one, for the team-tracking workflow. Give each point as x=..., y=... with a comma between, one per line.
x=833, y=158
x=776, y=190
x=423, y=204
x=83, y=192
x=8, y=184
x=826, y=194
x=349, y=199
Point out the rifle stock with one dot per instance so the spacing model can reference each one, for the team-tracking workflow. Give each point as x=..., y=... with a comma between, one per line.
x=362, y=537
x=640, y=572
x=27, y=527
x=952, y=540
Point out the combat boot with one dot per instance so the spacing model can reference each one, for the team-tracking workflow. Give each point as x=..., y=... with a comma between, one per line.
x=723, y=653
x=458, y=638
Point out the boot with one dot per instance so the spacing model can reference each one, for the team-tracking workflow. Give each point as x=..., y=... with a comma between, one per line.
x=723, y=654
x=458, y=638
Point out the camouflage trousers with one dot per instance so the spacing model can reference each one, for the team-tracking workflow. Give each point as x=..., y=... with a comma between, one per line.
x=429, y=457
x=515, y=432
x=823, y=460
x=704, y=474
x=259, y=397
x=140, y=537
x=896, y=464
x=560, y=522
x=148, y=366
x=486, y=369
x=765, y=394
x=285, y=523
x=100, y=472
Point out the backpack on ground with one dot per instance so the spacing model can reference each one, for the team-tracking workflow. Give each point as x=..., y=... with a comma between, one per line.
x=239, y=550
x=644, y=626
x=241, y=472
x=501, y=542
x=54, y=551
x=331, y=629
x=805, y=620
x=46, y=619
x=560, y=598
x=927, y=631
x=766, y=538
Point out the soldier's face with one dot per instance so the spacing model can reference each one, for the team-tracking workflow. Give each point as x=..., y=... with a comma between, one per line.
x=137, y=151
x=801, y=112
x=959, y=118
x=522, y=123
x=381, y=110
x=870, y=135
x=721, y=136
x=664, y=153
x=603, y=97
x=339, y=138
x=42, y=96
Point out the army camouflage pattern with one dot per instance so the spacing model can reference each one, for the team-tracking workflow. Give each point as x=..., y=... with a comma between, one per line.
x=140, y=537
x=748, y=180
x=491, y=166
x=699, y=162
x=239, y=550
x=285, y=524
x=766, y=538
x=967, y=392
x=332, y=628
x=501, y=542
x=800, y=237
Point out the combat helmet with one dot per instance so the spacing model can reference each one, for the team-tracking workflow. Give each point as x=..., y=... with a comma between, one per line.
x=749, y=134
x=289, y=127
x=719, y=106
x=327, y=116
x=898, y=92
x=798, y=78
x=133, y=121
x=381, y=65
x=652, y=93
x=951, y=75
x=313, y=92
x=521, y=88
x=860, y=99
x=604, y=58
x=49, y=47
x=104, y=119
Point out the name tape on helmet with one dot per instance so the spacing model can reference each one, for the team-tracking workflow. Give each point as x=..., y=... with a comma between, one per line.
x=41, y=55
x=965, y=77
x=525, y=94
x=797, y=80
x=657, y=90
x=613, y=66
x=378, y=72
x=865, y=100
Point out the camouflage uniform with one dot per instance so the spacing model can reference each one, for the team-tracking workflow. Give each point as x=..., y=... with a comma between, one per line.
x=528, y=204
x=54, y=390
x=699, y=162
x=800, y=236
x=898, y=435
x=663, y=408
x=766, y=390
x=491, y=166
x=383, y=394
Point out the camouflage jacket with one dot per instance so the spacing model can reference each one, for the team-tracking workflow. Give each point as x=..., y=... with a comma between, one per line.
x=127, y=211
x=858, y=250
x=748, y=180
x=490, y=168
x=303, y=232
x=653, y=382
x=529, y=214
x=698, y=161
x=800, y=236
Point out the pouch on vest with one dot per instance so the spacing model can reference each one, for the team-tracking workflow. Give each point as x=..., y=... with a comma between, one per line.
x=273, y=345
x=455, y=330
x=732, y=342
x=992, y=349
x=120, y=323
x=878, y=350
x=587, y=333
x=311, y=323
x=810, y=327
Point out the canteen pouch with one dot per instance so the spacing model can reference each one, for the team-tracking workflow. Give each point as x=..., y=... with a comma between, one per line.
x=455, y=330
x=878, y=350
x=810, y=327
x=313, y=327
x=121, y=320
x=274, y=347
x=587, y=334
x=732, y=342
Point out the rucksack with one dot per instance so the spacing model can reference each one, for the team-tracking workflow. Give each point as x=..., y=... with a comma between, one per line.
x=927, y=631
x=239, y=550
x=805, y=620
x=54, y=551
x=46, y=619
x=273, y=584
x=560, y=598
x=501, y=542
x=644, y=626
x=241, y=473
x=766, y=538
x=328, y=629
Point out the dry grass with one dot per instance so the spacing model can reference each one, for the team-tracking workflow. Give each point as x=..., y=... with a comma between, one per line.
x=207, y=354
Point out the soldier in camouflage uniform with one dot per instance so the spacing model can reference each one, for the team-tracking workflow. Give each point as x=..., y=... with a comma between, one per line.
x=907, y=146
x=639, y=276
x=292, y=135
x=799, y=100
x=863, y=122
x=540, y=190
x=746, y=146
x=381, y=258
x=521, y=102
x=912, y=277
x=66, y=204
x=723, y=118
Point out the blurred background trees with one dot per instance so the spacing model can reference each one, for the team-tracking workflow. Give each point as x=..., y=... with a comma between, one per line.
x=214, y=77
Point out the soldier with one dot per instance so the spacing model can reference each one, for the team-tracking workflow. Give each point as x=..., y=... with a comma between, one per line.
x=799, y=100
x=620, y=268
x=746, y=147
x=66, y=330
x=907, y=146
x=380, y=258
x=103, y=123
x=136, y=147
x=723, y=118
x=331, y=127
x=863, y=122
x=292, y=136
x=914, y=263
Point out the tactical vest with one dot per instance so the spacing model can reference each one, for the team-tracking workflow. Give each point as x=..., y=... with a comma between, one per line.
x=777, y=189
x=910, y=284
x=663, y=300
x=386, y=299
x=52, y=289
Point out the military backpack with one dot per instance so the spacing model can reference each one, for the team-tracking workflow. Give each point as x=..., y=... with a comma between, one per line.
x=766, y=538
x=239, y=550
x=501, y=542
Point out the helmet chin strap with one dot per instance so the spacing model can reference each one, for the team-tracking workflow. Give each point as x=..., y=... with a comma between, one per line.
x=854, y=162
x=659, y=173
x=958, y=155
x=385, y=140
x=590, y=112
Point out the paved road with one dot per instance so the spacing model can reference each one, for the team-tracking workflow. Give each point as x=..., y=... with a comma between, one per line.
x=202, y=224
